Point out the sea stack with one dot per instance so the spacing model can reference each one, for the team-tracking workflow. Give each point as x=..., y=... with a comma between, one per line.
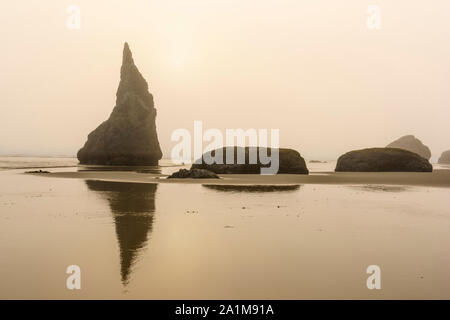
x=445, y=157
x=412, y=144
x=129, y=136
x=382, y=160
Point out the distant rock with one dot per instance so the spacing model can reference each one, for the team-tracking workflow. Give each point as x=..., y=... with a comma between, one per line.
x=316, y=161
x=412, y=144
x=129, y=136
x=445, y=157
x=383, y=160
x=290, y=161
x=193, y=174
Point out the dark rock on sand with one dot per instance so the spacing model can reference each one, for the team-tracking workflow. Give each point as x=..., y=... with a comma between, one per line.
x=290, y=161
x=383, y=160
x=445, y=157
x=412, y=144
x=129, y=136
x=37, y=171
x=193, y=174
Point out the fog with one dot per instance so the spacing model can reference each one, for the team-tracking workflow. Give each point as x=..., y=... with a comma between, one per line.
x=312, y=69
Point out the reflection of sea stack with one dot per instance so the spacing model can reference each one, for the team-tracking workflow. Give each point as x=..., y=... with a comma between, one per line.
x=412, y=144
x=133, y=206
x=383, y=160
x=129, y=136
x=445, y=157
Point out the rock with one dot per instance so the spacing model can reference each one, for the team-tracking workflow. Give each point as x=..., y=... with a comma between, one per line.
x=445, y=157
x=129, y=136
x=383, y=160
x=412, y=144
x=37, y=171
x=316, y=161
x=193, y=174
x=290, y=161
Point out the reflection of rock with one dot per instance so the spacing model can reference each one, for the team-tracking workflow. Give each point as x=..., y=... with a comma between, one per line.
x=194, y=174
x=129, y=136
x=383, y=160
x=133, y=206
x=155, y=170
x=290, y=161
x=412, y=144
x=140, y=169
x=251, y=188
x=445, y=157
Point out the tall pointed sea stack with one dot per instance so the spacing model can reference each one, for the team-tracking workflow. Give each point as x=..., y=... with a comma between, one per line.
x=129, y=136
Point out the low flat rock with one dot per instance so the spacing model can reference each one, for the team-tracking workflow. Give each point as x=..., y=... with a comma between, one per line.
x=382, y=160
x=193, y=174
x=290, y=161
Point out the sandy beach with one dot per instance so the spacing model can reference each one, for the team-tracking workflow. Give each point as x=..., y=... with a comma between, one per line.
x=240, y=237
x=139, y=235
x=437, y=178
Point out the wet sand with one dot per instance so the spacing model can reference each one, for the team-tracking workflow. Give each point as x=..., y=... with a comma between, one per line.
x=437, y=178
x=139, y=236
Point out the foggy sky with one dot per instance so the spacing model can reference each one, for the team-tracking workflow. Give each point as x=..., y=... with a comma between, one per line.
x=310, y=68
